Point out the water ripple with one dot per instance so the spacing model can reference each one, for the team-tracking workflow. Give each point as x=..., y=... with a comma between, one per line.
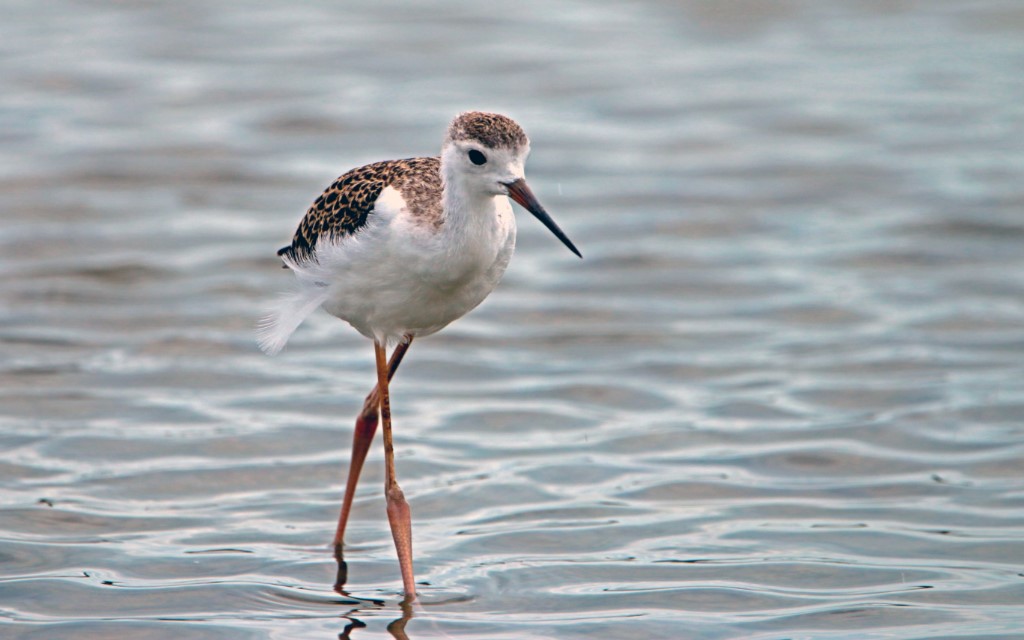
x=781, y=396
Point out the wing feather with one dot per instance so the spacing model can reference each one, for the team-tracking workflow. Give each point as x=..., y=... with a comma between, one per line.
x=346, y=205
x=342, y=210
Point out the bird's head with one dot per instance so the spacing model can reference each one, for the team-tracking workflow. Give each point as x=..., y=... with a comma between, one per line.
x=486, y=153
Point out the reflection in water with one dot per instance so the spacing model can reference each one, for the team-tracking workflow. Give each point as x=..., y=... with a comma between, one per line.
x=353, y=623
x=396, y=628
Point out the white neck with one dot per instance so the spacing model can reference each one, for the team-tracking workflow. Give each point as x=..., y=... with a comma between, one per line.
x=477, y=224
x=467, y=210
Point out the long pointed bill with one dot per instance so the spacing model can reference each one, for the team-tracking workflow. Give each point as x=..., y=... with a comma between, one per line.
x=521, y=193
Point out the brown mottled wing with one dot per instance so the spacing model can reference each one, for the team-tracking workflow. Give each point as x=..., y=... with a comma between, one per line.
x=344, y=207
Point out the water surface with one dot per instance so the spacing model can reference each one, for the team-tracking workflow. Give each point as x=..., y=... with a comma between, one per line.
x=781, y=397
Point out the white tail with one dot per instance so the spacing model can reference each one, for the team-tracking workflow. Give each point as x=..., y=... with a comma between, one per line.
x=274, y=329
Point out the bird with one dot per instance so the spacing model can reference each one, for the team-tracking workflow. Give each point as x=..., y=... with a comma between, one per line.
x=399, y=249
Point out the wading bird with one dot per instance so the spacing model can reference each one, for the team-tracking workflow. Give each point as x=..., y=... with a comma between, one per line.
x=399, y=249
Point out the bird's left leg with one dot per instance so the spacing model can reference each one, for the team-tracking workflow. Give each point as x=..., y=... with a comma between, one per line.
x=399, y=515
x=362, y=436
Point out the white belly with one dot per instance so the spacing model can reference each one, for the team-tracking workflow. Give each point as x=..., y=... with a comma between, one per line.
x=394, y=278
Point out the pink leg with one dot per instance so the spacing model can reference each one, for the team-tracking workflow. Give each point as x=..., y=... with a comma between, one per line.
x=399, y=515
x=366, y=426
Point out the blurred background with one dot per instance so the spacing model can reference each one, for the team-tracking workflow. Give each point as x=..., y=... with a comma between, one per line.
x=782, y=395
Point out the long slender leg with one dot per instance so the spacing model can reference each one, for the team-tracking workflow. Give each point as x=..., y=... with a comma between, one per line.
x=399, y=515
x=362, y=436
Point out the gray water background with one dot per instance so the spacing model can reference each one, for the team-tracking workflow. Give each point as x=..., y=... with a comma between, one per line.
x=781, y=397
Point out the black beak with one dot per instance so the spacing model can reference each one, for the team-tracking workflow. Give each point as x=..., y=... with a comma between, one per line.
x=521, y=193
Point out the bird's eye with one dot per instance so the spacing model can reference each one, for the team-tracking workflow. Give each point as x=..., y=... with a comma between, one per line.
x=476, y=157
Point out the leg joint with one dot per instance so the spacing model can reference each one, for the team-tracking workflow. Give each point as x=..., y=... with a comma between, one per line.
x=395, y=494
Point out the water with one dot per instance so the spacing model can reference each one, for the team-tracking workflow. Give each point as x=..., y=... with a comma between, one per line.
x=781, y=397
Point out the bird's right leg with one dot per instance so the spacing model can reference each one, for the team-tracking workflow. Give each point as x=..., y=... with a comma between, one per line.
x=366, y=426
x=399, y=516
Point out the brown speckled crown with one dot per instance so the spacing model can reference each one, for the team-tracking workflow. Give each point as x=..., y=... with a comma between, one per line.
x=492, y=130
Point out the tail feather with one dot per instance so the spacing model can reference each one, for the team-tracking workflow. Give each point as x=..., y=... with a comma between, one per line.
x=274, y=329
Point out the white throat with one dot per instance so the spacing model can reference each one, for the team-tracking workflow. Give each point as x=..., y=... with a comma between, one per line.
x=478, y=225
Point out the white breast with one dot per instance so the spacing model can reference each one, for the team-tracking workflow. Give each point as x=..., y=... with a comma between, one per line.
x=400, y=275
